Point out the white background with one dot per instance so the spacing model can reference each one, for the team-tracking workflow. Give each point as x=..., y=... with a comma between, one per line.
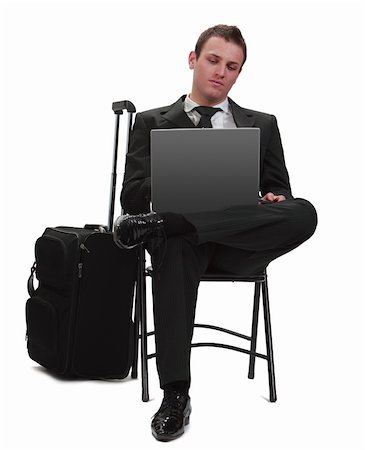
x=62, y=65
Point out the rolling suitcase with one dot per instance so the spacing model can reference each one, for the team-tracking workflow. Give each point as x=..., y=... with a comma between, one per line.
x=79, y=319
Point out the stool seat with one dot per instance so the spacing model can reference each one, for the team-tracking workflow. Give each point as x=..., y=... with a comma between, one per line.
x=223, y=276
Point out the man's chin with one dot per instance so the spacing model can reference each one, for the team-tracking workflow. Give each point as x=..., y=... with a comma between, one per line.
x=215, y=97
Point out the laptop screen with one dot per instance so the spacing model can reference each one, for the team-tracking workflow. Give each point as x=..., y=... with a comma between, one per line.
x=204, y=169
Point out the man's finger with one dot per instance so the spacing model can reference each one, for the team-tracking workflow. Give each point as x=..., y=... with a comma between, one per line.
x=279, y=198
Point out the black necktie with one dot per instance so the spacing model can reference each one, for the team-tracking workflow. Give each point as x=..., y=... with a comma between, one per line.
x=206, y=113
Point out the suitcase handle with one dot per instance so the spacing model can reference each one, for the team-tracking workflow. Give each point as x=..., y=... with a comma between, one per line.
x=96, y=227
x=30, y=284
x=118, y=108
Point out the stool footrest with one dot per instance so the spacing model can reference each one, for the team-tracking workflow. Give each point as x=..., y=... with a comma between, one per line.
x=218, y=345
x=223, y=330
x=229, y=347
x=213, y=327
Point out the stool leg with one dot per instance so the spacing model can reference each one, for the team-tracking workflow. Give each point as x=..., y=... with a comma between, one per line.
x=255, y=317
x=143, y=318
x=137, y=315
x=269, y=347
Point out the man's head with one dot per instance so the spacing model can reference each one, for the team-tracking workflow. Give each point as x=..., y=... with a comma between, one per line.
x=219, y=55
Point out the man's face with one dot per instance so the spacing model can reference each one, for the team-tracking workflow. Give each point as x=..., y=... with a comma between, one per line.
x=215, y=71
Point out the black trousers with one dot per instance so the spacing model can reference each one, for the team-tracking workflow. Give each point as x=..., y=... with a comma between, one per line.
x=240, y=240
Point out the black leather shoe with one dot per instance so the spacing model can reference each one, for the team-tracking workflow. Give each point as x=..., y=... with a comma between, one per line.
x=172, y=417
x=132, y=230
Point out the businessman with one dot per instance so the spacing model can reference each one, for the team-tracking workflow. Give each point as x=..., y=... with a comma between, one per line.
x=240, y=240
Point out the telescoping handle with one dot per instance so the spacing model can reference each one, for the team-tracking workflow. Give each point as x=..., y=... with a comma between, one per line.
x=118, y=108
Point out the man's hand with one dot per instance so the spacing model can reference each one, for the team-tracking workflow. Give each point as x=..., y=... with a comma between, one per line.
x=272, y=198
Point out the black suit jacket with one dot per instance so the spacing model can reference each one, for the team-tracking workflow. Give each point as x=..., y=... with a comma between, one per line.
x=136, y=192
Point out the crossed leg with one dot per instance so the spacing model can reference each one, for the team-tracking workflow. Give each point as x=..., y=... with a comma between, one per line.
x=240, y=240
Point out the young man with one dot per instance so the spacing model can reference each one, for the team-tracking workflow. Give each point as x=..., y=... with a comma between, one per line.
x=241, y=240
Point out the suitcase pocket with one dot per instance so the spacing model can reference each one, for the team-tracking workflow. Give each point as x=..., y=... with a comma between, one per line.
x=42, y=332
x=56, y=260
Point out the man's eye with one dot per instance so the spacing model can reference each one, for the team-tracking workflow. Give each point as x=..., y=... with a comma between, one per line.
x=213, y=61
x=231, y=68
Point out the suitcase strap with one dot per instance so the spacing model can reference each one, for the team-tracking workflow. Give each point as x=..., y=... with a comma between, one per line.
x=30, y=283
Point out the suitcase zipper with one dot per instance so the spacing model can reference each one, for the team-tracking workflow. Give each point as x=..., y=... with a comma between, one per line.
x=80, y=265
x=83, y=247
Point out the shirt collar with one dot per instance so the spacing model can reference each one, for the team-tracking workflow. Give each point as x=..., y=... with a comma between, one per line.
x=189, y=105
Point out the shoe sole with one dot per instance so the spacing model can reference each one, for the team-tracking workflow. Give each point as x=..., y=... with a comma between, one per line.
x=129, y=247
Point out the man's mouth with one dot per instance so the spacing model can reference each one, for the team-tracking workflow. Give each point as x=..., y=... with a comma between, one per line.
x=216, y=82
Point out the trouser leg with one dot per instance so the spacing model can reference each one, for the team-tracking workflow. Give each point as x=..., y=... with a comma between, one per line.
x=175, y=284
x=276, y=230
x=257, y=228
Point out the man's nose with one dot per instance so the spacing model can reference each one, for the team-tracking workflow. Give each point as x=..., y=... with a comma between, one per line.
x=220, y=70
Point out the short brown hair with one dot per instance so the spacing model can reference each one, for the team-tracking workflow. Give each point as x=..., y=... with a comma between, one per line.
x=228, y=32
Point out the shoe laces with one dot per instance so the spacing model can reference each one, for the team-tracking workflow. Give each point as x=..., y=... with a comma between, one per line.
x=172, y=404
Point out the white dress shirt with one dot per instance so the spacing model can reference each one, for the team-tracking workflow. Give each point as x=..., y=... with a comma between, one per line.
x=221, y=119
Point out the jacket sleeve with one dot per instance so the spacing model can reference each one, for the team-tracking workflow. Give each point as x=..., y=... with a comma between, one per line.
x=274, y=175
x=136, y=191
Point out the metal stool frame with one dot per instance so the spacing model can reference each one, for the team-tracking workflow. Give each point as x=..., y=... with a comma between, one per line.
x=140, y=317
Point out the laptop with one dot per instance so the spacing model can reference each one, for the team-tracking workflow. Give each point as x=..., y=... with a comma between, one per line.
x=204, y=169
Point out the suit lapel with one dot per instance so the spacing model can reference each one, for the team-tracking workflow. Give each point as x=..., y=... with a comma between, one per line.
x=177, y=116
x=241, y=116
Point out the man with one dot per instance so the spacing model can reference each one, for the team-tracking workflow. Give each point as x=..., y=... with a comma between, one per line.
x=241, y=240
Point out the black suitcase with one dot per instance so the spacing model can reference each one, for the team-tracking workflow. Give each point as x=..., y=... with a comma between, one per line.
x=79, y=319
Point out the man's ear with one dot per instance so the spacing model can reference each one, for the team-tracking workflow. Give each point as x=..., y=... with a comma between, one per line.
x=192, y=60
